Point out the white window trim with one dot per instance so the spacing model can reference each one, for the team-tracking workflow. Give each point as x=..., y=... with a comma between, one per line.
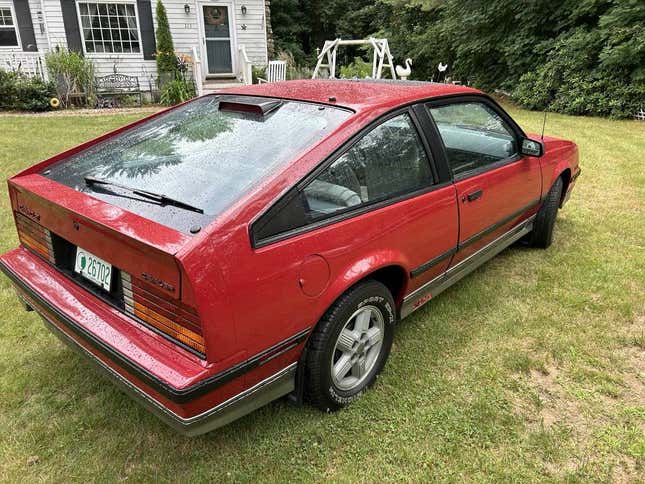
x=15, y=28
x=110, y=55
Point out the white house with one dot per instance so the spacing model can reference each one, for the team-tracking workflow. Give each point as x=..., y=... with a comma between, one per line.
x=224, y=36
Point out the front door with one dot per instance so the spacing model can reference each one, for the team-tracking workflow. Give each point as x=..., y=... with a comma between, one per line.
x=496, y=186
x=217, y=40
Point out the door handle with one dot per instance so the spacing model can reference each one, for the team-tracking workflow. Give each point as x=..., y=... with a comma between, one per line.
x=472, y=196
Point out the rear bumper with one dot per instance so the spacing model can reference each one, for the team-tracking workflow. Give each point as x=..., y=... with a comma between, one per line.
x=241, y=404
x=206, y=403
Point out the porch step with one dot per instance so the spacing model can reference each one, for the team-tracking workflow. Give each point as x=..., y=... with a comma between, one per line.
x=214, y=86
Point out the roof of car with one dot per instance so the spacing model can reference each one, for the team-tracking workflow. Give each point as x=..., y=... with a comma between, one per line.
x=357, y=94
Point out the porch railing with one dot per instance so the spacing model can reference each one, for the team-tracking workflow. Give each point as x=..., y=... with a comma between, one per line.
x=197, y=72
x=245, y=66
x=31, y=64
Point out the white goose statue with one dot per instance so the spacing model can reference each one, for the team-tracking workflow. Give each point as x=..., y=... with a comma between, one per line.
x=404, y=72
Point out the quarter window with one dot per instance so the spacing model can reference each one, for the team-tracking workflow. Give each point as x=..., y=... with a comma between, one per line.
x=474, y=135
x=109, y=27
x=388, y=161
x=8, y=33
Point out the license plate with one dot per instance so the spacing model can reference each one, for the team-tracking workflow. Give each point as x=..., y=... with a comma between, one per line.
x=93, y=268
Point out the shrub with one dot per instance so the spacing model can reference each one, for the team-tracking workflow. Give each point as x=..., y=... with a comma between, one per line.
x=294, y=71
x=72, y=74
x=166, y=58
x=177, y=91
x=572, y=81
x=8, y=89
x=359, y=69
x=18, y=92
x=257, y=73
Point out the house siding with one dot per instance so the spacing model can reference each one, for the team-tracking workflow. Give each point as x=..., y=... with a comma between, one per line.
x=184, y=27
x=54, y=25
x=40, y=26
x=185, y=31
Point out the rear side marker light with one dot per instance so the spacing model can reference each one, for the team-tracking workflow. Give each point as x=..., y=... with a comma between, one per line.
x=177, y=322
x=35, y=237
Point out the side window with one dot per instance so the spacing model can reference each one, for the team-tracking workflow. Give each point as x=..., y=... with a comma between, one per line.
x=474, y=135
x=386, y=162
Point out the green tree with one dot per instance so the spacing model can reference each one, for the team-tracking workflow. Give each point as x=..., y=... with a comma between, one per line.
x=301, y=26
x=166, y=59
x=573, y=56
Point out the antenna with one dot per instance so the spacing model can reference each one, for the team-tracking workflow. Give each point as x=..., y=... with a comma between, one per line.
x=543, y=125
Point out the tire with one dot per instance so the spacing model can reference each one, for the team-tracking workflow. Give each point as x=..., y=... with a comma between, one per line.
x=542, y=233
x=361, y=314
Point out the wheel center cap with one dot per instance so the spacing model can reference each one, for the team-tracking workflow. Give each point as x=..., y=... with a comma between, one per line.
x=360, y=349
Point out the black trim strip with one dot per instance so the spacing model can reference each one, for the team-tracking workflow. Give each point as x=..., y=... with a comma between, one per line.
x=176, y=395
x=432, y=262
x=474, y=238
x=449, y=253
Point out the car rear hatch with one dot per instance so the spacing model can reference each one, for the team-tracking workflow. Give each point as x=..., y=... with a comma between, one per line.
x=113, y=213
x=125, y=260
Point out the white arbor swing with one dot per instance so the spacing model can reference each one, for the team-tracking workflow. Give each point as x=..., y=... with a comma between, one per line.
x=382, y=56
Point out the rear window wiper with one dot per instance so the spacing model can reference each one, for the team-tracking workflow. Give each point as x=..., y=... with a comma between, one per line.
x=157, y=197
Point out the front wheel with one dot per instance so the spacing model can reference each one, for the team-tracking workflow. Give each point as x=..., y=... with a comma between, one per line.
x=542, y=234
x=350, y=346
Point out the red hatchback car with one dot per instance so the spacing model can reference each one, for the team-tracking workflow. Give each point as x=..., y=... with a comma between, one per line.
x=264, y=241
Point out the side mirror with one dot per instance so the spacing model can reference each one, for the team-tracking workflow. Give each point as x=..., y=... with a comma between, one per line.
x=531, y=147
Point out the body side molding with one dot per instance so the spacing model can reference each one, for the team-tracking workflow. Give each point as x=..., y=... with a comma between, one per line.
x=417, y=271
x=432, y=288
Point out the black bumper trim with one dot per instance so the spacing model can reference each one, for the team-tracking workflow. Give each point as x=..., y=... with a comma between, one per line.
x=173, y=394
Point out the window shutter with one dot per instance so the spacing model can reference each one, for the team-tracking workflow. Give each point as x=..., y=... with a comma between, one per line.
x=25, y=25
x=148, y=44
x=70, y=21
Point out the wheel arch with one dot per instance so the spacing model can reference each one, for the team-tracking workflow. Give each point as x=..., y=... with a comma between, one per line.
x=386, y=268
x=392, y=275
x=566, y=179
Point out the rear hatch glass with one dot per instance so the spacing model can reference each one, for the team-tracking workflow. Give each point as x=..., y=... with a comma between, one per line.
x=198, y=155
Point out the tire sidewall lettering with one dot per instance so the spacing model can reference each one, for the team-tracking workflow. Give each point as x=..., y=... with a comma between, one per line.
x=387, y=310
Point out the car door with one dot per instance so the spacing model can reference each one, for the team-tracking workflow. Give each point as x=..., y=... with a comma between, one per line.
x=496, y=186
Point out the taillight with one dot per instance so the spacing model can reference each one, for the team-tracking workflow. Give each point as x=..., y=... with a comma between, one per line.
x=177, y=321
x=35, y=237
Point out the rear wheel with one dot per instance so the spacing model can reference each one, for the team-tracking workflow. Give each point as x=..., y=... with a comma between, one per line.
x=350, y=346
x=542, y=234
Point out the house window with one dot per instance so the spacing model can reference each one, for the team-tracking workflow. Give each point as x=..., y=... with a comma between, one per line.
x=8, y=33
x=109, y=27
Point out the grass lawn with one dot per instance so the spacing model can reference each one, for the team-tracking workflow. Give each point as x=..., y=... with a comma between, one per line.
x=533, y=367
